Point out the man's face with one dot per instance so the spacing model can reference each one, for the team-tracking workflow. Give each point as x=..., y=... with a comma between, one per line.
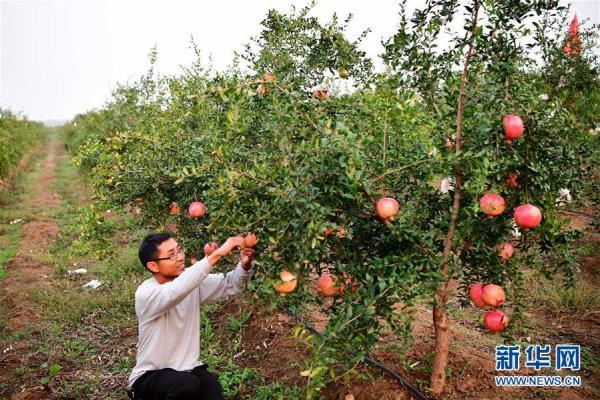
x=171, y=263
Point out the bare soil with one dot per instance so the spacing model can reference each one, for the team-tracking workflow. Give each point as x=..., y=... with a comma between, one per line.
x=26, y=272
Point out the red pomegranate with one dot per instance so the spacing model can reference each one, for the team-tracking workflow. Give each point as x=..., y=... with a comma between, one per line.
x=511, y=181
x=210, y=248
x=505, y=250
x=513, y=127
x=174, y=209
x=493, y=295
x=197, y=209
x=387, y=208
x=328, y=231
x=268, y=77
x=326, y=285
x=572, y=45
x=528, y=216
x=321, y=94
x=288, y=284
x=250, y=240
x=475, y=293
x=495, y=321
x=492, y=204
x=262, y=89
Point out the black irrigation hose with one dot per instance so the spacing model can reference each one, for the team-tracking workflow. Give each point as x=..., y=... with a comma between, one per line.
x=407, y=385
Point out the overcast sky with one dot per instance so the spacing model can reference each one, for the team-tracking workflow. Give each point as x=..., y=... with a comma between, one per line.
x=61, y=58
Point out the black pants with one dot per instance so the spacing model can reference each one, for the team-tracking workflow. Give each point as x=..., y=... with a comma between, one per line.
x=168, y=384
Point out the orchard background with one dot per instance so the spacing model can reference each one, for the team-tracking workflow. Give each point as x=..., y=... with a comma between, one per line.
x=297, y=142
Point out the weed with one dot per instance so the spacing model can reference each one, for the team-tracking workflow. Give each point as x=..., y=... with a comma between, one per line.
x=51, y=373
x=582, y=299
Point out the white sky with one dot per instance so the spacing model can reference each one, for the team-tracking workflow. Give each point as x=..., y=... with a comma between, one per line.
x=60, y=58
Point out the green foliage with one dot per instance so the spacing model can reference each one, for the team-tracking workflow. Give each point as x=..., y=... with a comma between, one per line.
x=17, y=135
x=94, y=231
x=277, y=391
x=236, y=325
x=233, y=379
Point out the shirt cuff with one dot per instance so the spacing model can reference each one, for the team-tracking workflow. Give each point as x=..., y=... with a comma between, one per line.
x=242, y=271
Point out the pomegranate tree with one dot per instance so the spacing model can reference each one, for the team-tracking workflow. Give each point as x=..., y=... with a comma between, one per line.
x=310, y=177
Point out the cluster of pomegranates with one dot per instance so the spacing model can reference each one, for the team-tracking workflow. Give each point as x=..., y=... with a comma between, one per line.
x=490, y=295
x=250, y=240
x=328, y=285
x=526, y=216
x=196, y=209
x=263, y=86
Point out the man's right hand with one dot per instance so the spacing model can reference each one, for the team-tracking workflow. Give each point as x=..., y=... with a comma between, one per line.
x=230, y=244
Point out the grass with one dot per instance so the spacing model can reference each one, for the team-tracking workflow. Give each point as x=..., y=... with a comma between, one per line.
x=583, y=299
x=9, y=250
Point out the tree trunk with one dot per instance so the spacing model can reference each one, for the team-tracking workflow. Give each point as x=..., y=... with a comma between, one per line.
x=440, y=315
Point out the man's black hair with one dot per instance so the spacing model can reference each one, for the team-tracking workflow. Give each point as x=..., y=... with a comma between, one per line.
x=149, y=247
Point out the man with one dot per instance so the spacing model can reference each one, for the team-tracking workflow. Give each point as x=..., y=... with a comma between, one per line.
x=168, y=311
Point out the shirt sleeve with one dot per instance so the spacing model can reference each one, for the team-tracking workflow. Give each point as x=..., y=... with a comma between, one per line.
x=218, y=286
x=154, y=300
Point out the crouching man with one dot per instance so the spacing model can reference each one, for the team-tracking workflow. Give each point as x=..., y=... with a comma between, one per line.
x=168, y=311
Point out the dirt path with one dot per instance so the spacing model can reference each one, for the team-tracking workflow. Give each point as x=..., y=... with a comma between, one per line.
x=28, y=271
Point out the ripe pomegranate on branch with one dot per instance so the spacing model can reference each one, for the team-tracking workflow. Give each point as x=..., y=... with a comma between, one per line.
x=197, y=209
x=287, y=284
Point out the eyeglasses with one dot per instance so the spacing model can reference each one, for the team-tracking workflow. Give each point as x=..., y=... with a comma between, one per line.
x=172, y=257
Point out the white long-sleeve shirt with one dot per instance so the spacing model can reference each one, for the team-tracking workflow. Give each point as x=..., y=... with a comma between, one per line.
x=168, y=316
